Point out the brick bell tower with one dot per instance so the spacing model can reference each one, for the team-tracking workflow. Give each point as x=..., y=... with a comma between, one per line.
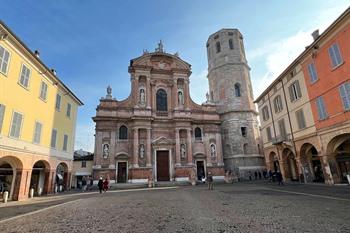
x=230, y=89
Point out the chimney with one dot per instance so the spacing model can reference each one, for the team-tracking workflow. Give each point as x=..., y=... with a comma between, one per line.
x=37, y=53
x=53, y=71
x=315, y=34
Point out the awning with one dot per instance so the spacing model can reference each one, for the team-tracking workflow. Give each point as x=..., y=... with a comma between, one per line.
x=83, y=173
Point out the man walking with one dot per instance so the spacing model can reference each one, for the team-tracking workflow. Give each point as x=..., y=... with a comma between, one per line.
x=210, y=181
x=100, y=184
x=279, y=178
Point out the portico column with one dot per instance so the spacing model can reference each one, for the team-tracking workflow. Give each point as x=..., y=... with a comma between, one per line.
x=189, y=147
x=148, y=145
x=219, y=150
x=136, y=148
x=207, y=149
x=177, y=148
x=148, y=92
x=187, y=94
x=282, y=169
x=328, y=178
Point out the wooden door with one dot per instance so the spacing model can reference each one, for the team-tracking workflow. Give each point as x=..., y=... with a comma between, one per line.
x=121, y=176
x=163, y=166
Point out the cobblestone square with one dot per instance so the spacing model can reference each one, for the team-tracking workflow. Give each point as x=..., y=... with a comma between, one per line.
x=242, y=207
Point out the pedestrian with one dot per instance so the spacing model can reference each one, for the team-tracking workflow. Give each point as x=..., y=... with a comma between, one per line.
x=256, y=175
x=270, y=175
x=91, y=183
x=1, y=187
x=279, y=178
x=264, y=174
x=105, y=185
x=84, y=183
x=100, y=184
x=259, y=174
x=210, y=181
x=250, y=175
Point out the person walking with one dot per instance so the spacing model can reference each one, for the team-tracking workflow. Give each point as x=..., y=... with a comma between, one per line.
x=84, y=183
x=279, y=178
x=105, y=185
x=256, y=175
x=100, y=184
x=210, y=181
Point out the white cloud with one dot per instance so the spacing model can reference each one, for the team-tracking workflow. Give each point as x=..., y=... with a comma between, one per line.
x=279, y=54
x=199, y=86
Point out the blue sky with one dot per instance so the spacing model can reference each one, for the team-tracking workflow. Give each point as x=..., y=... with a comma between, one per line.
x=90, y=43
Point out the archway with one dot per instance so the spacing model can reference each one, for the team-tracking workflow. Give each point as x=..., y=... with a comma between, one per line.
x=10, y=178
x=311, y=164
x=338, y=151
x=290, y=165
x=274, y=163
x=62, y=179
x=40, y=177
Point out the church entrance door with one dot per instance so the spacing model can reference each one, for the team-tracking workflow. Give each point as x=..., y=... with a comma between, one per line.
x=163, y=166
x=200, y=170
x=121, y=176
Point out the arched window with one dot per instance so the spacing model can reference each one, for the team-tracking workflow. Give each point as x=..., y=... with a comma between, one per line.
x=218, y=47
x=162, y=103
x=230, y=43
x=198, y=133
x=123, y=132
x=237, y=90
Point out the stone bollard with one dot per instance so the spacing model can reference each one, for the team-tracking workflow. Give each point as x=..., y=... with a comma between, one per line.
x=31, y=193
x=5, y=196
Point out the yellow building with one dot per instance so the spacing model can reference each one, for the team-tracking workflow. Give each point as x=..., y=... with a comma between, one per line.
x=37, y=122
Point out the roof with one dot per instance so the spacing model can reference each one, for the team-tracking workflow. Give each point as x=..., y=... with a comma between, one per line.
x=40, y=62
x=309, y=48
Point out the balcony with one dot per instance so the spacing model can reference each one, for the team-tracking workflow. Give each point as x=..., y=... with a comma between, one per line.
x=280, y=139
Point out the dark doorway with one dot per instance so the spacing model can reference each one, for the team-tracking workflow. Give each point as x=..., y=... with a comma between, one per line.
x=200, y=170
x=316, y=164
x=163, y=166
x=121, y=177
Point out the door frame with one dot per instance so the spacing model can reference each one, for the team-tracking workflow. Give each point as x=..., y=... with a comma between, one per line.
x=205, y=167
x=127, y=170
x=155, y=163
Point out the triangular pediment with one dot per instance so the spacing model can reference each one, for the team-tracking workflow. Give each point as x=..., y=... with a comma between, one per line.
x=162, y=141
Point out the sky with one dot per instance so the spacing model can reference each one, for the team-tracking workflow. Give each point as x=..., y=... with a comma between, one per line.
x=90, y=43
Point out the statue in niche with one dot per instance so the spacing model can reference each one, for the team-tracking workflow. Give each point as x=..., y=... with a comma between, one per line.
x=181, y=98
x=142, y=96
x=207, y=96
x=183, y=150
x=142, y=151
x=105, y=151
x=212, y=150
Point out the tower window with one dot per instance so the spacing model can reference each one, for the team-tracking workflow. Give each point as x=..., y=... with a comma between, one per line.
x=218, y=47
x=237, y=90
x=123, y=132
x=230, y=43
x=162, y=104
x=244, y=131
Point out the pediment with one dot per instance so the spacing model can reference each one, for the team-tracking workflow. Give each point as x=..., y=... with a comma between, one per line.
x=162, y=141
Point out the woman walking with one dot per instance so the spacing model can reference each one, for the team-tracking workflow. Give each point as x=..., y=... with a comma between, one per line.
x=105, y=185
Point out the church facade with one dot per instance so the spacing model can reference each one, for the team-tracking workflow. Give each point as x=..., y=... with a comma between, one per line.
x=158, y=133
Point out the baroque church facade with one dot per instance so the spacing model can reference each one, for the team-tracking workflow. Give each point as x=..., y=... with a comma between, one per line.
x=158, y=133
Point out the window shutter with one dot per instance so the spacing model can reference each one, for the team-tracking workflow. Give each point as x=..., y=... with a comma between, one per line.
x=344, y=97
x=275, y=104
x=2, y=113
x=291, y=93
x=332, y=56
x=297, y=87
x=337, y=54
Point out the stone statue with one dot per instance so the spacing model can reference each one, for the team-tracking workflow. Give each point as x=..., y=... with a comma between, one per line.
x=212, y=150
x=105, y=151
x=183, y=151
x=160, y=47
x=181, y=98
x=109, y=92
x=207, y=96
x=142, y=151
x=142, y=96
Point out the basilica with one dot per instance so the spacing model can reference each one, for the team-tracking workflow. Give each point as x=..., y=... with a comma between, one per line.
x=158, y=133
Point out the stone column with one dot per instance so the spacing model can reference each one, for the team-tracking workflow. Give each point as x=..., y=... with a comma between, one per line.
x=328, y=178
x=187, y=94
x=136, y=148
x=219, y=150
x=148, y=92
x=177, y=147
x=148, y=145
x=282, y=169
x=21, y=184
x=189, y=147
x=175, y=95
